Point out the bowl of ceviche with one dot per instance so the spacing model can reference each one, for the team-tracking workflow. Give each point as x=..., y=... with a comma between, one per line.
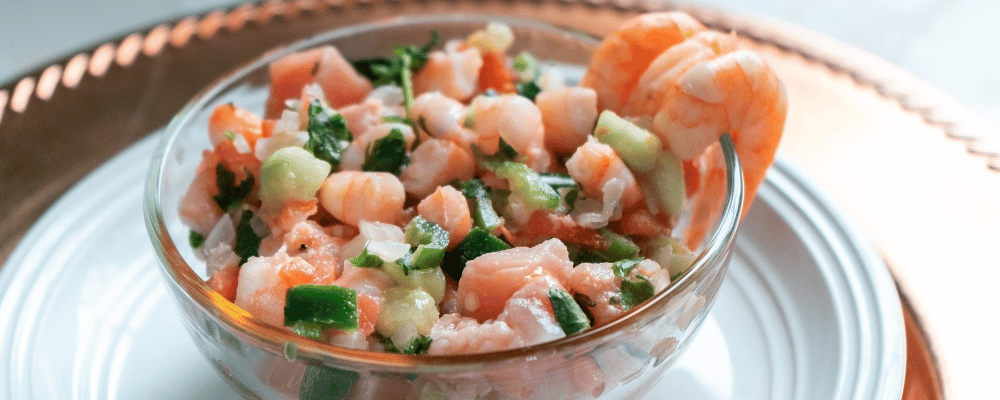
x=456, y=206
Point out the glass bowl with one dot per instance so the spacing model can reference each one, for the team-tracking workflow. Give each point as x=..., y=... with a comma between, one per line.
x=619, y=360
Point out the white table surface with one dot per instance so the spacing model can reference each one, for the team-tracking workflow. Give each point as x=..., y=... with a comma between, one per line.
x=953, y=45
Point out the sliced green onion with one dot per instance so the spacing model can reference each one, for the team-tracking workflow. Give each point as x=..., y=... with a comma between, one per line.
x=333, y=307
x=475, y=244
x=568, y=313
x=637, y=147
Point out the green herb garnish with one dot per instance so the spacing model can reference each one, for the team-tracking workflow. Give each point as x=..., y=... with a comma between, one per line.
x=366, y=260
x=247, y=241
x=387, y=154
x=635, y=290
x=196, y=239
x=529, y=90
x=328, y=134
x=230, y=194
x=383, y=71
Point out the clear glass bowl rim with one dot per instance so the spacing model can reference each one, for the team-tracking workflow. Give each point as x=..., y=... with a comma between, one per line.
x=191, y=284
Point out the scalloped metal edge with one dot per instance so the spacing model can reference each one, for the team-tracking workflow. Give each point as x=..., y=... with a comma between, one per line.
x=980, y=136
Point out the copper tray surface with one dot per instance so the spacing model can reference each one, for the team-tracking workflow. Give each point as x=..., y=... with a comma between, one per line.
x=918, y=171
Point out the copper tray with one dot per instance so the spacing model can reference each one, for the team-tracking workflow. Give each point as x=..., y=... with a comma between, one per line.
x=916, y=169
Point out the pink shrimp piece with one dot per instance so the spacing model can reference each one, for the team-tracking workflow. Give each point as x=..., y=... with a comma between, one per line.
x=517, y=121
x=341, y=84
x=361, y=117
x=599, y=283
x=455, y=334
x=453, y=71
x=198, y=210
x=436, y=162
x=449, y=208
x=313, y=244
x=354, y=196
x=594, y=164
x=625, y=53
x=705, y=87
x=569, y=114
x=443, y=117
x=264, y=280
x=529, y=312
x=491, y=279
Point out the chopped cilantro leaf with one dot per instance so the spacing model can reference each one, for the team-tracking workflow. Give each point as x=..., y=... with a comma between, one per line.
x=247, y=241
x=383, y=71
x=328, y=134
x=196, y=239
x=230, y=194
x=387, y=154
x=635, y=290
x=366, y=260
x=529, y=90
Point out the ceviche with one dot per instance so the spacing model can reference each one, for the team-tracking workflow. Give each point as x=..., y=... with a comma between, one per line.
x=456, y=198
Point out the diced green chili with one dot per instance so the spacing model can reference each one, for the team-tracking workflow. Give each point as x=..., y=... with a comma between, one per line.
x=568, y=313
x=475, y=244
x=430, y=240
x=333, y=307
x=483, y=214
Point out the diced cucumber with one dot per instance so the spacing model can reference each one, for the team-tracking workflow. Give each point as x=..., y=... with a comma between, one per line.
x=637, y=147
x=291, y=173
x=430, y=280
x=667, y=179
x=411, y=310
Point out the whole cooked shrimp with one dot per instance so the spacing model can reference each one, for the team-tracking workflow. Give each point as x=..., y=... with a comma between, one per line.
x=625, y=53
x=706, y=86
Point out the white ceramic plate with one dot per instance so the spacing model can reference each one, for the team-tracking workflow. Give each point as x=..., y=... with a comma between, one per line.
x=808, y=310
